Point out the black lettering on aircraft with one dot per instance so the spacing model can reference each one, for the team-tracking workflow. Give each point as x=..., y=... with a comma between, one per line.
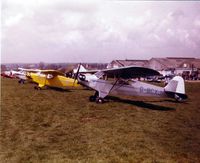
x=150, y=91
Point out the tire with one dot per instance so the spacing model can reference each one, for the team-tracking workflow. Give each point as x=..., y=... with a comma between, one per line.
x=92, y=98
x=37, y=88
x=100, y=100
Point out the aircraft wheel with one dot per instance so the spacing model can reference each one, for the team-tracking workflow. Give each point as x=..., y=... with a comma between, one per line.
x=99, y=100
x=37, y=88
x=92, y=98
x=179, y=99
x=21, y=81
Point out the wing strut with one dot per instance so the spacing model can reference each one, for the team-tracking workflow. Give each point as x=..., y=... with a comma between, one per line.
x=102, y=94
x=113, y=85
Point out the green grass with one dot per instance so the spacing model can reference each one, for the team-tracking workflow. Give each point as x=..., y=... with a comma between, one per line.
x=63, y=126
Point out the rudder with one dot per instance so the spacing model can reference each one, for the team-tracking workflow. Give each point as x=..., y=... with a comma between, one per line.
x=176, y=88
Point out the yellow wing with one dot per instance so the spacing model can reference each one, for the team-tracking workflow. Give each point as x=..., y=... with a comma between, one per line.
x=52, y=72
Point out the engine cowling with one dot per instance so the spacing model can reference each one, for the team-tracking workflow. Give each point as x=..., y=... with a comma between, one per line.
x=82, y=77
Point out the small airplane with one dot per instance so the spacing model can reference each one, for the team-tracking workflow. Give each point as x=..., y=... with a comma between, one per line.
x=123, y=84
x=7, y=74
x=52, y=78
x=15, y=74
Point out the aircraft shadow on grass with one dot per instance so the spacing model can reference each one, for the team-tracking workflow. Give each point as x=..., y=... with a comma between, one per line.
x=142, y=104
x=172, y=101
x=59, y=89
x=181, y=102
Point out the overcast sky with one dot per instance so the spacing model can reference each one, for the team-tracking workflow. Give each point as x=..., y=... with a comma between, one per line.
x=98, y=31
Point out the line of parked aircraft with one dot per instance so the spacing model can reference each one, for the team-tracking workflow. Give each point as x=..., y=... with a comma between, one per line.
x=120, y=81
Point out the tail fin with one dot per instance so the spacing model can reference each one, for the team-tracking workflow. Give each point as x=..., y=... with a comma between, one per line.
x=176, y=88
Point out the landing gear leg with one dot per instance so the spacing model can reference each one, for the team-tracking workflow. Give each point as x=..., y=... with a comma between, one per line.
x=94, y=97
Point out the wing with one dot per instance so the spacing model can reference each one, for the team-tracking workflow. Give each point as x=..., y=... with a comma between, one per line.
x=89, y=72
x=130, y=72
x=52, y=72
x=29, y=70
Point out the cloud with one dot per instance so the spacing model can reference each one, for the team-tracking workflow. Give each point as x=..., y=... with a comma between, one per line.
x=13, y=20
x=97, y=31
x=197, y=22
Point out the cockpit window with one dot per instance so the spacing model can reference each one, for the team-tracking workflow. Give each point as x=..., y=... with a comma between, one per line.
x=49, y=76
x=123, y=82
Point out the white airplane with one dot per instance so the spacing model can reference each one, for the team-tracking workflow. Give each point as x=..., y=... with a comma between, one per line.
x=21, y=74
x=14, y=74
x=7, y=74
x=24, y=73
x=123, y=84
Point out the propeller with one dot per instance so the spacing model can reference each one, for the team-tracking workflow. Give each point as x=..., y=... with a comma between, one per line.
x=76, y=75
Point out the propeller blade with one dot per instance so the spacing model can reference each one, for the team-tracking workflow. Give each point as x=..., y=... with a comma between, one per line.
x=76, y=76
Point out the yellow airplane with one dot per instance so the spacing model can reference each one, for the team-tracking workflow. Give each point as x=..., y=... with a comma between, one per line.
x=52, y=78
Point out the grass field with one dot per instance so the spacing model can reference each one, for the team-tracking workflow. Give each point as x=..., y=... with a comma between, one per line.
x=63, y=126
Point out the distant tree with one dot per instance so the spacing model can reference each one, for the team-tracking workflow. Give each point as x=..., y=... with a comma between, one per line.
x=41, y=65
x=52, y=66
x=3, y=67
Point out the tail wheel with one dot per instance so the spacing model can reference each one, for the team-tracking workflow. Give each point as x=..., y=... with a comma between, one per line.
x=99, y=100
x=178, y=98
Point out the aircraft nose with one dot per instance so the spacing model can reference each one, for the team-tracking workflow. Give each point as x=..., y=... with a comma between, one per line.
x=82, y=77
